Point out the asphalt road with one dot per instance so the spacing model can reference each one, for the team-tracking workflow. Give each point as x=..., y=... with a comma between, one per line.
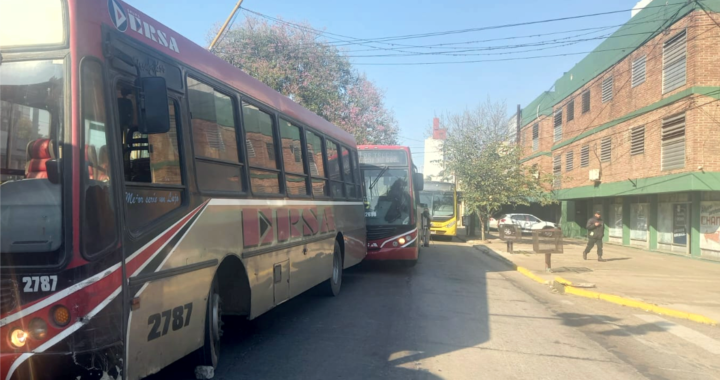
x=458, y=315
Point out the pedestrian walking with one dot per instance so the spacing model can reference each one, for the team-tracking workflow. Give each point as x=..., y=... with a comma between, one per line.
x=596, y=231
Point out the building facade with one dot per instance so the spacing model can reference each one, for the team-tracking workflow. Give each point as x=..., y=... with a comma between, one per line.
x=633, y=130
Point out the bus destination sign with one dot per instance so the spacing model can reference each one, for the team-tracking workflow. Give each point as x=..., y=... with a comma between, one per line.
x=383, y=157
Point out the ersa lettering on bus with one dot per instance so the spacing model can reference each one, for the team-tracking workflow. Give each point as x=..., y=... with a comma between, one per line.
x=152, y=33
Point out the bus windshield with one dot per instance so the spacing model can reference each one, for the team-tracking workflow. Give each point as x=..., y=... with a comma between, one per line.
x=31, y=103
x=440, y=204
x=388, y=200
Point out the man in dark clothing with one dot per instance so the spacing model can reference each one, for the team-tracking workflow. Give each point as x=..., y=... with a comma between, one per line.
x=596, y=231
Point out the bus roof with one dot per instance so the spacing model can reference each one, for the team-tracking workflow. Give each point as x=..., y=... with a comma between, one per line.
x=199, y=58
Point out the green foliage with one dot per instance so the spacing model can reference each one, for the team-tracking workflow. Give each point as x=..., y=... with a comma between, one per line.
x=487, y=167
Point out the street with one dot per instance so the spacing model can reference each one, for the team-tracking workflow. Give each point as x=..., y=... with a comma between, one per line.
x=458, y=315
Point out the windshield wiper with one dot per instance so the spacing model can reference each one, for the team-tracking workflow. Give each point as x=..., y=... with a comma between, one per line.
x=382, y=171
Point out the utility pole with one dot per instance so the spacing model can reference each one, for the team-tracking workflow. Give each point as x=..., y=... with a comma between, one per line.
x=217, y=37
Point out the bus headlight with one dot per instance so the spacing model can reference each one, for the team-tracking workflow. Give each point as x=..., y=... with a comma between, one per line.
x=38, y=329
x=451, y=223
x=401, y=240
x=18, y=337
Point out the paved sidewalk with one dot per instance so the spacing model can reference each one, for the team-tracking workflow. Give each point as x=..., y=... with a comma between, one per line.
x=666, y=280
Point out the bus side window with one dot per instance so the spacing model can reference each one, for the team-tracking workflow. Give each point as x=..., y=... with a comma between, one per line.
x=333, y=160
x=347, y=172
x=295, y=174
x=217, y=163
x=263, y=163
x=99, y=229
x=316, y=164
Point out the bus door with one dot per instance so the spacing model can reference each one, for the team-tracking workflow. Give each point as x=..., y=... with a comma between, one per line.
x=164, y=310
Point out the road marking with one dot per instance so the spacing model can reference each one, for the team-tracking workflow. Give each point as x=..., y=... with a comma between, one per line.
x=703, y=341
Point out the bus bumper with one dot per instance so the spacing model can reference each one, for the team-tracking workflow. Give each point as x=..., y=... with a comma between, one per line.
x=56, y=365
x=409, y=253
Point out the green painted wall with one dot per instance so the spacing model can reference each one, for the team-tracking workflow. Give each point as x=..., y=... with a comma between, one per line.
x=626, y=221
x=695, y=223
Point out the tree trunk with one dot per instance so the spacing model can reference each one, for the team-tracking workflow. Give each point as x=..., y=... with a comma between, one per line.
x=482, y=225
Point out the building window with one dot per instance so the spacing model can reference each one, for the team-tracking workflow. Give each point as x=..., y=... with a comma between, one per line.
x=557, y=169
x=637, y=140
x=586, y=101
x=607, y=89
x=569, y=156
x=570, y=110
x=585, y=156
x=674, y=62
x=638, y=71
x=673, y=143
x=606, y=149
x=557, y=130
x=535, y=135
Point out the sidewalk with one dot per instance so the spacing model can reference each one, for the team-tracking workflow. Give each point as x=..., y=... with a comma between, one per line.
x=665, y=280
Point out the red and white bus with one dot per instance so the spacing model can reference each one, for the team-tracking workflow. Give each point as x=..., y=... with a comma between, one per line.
x=148, y=189
x=392, y=211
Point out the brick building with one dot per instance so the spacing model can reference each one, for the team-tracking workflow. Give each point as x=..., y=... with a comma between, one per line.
x=632, y=130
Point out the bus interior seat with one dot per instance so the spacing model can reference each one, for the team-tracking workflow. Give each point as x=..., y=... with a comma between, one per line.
x=38, y=153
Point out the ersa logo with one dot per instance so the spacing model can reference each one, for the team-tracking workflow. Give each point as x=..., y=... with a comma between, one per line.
x=121, y=19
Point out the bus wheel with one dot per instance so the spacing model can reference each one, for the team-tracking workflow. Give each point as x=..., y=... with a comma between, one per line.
x=332, y=285
x=210, y=353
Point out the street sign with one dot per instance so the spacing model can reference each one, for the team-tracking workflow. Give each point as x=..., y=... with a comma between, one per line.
x=547, y=241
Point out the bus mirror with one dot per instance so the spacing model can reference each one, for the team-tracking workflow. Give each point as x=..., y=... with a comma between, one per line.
x=419, y=181
x=154, y=110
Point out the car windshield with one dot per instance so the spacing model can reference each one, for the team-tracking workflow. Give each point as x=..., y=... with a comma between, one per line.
x=31, y=104
x=387, y=196
x=440, y=204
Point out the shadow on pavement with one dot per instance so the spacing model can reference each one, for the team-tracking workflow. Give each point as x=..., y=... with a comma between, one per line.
x=386, y=320
x=614, y=327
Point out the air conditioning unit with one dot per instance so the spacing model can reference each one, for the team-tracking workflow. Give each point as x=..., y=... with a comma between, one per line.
x=594, y=175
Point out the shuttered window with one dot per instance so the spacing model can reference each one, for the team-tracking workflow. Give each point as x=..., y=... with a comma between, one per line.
x=557, y=168
x=674, y=62
x=586, y=101
x=569, y=157
x=606, y=149
x=557, y=130
x=570, y=110
x=638, y=71
x=585, y=156
x=637, y=140
x=673, y=143
x=536, y=134
x=607, y=89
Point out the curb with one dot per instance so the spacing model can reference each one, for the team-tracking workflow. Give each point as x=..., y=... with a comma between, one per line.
x=566, y=287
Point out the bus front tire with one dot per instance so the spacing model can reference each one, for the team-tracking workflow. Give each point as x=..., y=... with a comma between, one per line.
x=333, y=284
x=210, y=353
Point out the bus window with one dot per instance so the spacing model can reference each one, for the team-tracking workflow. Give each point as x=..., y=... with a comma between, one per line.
x=264, y=173
x=151, y=158
x=347, y=173
x=334, y=169
x=295, y=175
x=317, y=167
x=217, y=163
x=99, y=222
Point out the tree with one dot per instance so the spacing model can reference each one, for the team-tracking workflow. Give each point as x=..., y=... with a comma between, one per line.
x=487, y=167
x=293, y=61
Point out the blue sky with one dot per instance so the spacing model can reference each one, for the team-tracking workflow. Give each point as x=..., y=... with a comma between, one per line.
x=418, y=93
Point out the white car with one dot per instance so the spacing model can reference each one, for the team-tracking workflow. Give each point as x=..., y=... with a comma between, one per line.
x=526, y=222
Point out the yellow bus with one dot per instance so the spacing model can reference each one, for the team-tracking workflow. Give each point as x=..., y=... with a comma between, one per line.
x=441, y=199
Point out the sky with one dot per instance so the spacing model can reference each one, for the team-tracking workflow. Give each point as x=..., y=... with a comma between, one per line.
x=417, y=93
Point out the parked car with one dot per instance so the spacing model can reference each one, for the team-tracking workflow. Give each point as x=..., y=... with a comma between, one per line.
x=526, y=222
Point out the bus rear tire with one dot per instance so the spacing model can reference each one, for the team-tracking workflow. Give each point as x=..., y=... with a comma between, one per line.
x=210, y=353
x=333, y=284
